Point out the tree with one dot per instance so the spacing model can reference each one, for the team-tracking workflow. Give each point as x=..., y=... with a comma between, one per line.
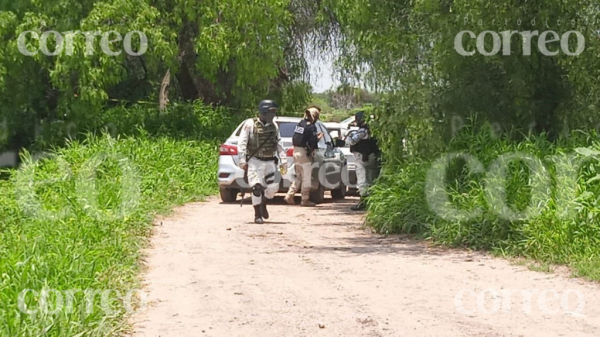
x=408, y=50
x=223, y=52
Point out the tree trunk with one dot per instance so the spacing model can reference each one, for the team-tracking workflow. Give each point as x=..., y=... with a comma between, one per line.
x=187, y=58
x=163, y=96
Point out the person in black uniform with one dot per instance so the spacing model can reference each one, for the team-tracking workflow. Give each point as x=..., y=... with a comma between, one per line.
x=305, y=141
x=367, y=154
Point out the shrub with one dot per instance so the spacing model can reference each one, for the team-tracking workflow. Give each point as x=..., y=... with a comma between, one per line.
x=400, y=200
x=87, y=234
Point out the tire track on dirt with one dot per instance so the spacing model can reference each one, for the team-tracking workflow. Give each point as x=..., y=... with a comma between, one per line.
x=314, y=271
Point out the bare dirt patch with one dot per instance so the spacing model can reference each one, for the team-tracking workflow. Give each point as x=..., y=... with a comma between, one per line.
x=317, y=272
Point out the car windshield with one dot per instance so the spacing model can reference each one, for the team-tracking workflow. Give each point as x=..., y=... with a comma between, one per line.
x=286, y=129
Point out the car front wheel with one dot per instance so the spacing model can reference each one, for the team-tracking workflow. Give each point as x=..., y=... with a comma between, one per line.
x=228, y=194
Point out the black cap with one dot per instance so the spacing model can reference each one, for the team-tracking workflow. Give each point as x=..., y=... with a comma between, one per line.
x=266, y=106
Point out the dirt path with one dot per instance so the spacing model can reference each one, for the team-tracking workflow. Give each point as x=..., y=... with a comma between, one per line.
x=212, y=272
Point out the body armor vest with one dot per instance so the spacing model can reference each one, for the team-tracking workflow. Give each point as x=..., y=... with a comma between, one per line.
x=366, y=146
x=259, y=136
x=305, y=136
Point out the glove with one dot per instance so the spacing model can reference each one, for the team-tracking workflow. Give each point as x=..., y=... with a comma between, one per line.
x=283, y=168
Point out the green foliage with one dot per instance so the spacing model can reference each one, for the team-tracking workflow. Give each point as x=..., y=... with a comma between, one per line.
x=294, y=97
x=223, y=53
x=414, y=61
x=194, y=121
x=68, y=243
x=405, y=49
x=182, y=121
x=321, y=102
x=344, y=102
x=564, y=231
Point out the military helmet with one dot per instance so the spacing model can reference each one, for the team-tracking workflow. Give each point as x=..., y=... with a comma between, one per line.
x=267, y=106
x=359, y=117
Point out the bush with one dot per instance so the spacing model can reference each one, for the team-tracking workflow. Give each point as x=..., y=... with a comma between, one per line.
x=62, y=230
x=400, y=200
x=193, y=121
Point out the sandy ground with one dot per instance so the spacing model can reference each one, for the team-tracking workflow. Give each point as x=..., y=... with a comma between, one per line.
x=317, y=272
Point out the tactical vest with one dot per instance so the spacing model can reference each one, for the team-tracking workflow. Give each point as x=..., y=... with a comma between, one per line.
x=305, y=135
x=366, y=146
x=259, y=136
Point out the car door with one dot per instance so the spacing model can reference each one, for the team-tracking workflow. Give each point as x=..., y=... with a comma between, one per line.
x=334, y=163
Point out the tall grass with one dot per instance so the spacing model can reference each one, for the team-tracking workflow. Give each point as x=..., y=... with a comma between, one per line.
x=192, y=121
x=64, y=229
x=563, y=226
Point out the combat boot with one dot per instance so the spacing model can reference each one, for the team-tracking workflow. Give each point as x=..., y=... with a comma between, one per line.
x=306, y=200
x=263, y=209
x=258, y=215
x=289, y=198
x=362, y=204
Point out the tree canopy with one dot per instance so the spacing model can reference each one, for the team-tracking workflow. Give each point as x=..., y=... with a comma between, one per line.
x=407, y=49
x=228, y=52
x=233, y=53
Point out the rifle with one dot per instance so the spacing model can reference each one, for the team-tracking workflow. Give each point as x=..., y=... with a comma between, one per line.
x=242, y=191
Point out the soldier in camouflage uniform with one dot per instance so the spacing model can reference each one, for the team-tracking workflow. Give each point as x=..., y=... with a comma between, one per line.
x=259, y=145
x=367, y=155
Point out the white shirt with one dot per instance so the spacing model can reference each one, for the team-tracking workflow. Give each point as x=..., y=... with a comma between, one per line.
x=326, y=137
x=247, y=130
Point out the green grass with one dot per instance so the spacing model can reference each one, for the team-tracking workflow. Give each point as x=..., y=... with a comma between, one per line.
x=542, y=267
x=553, y=236
x=62, y=230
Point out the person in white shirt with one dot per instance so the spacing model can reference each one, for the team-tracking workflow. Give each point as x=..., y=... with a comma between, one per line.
x=325, y=141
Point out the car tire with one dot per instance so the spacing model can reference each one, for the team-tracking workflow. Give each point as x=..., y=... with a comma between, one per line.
x=318, y=196
x=340, y=193
x=228, y=194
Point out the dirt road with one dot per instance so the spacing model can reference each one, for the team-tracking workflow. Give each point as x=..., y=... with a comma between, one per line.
x=316, y=272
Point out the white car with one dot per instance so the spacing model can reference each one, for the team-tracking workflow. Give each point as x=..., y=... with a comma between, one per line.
x=326, y=175
x=340, y=131
x=346, y=122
